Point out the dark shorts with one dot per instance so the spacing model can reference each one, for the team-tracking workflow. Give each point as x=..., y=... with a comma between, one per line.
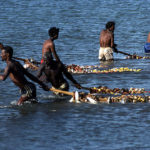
x=29, y=91
x=147, y=48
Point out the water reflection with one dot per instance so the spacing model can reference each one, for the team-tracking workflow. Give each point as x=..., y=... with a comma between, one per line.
x=107, y=64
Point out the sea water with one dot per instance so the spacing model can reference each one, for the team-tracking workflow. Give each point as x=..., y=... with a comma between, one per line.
x=61, y=125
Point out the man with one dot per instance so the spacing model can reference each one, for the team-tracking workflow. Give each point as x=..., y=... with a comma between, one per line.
x=49, y=45
x=148, y=38
x=54, y=71
x=106, y=40
x=17, y=73
x=147, y=45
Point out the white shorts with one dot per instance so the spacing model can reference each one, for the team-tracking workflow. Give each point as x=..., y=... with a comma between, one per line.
x=105, y=53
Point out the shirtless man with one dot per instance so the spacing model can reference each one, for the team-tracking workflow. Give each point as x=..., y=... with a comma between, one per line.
x=49, y=45
x=147, y=44
x=148, y=38
x=54, y=71
x=17, y=73
x=106, y=40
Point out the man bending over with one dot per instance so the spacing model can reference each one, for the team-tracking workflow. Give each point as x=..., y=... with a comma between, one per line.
x=54, y=71
x=17, y=73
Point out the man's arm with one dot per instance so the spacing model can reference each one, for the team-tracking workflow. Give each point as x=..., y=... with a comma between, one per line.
x=100, y=39
x=52, y=46
x=69, y=76
x=35, y=79
x=113, y=45
x=112, y=40
x=40, y=70
x=5, y=74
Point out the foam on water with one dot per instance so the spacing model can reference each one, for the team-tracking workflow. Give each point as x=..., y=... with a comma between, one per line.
x=14, y=103
x=5, y=106
x=54, y=97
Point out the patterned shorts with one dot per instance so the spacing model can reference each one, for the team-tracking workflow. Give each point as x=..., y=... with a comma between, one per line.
x=29, y=91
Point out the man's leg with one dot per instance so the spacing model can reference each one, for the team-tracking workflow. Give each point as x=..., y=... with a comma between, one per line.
x=22, y=100
x=28, y=93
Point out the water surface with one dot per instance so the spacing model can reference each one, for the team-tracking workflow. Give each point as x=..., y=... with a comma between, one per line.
x=68, y=126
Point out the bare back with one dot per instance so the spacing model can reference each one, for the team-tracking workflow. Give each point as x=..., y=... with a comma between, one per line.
x=106, y=39
x=54, y=74
x=47, y=46
x=16, y=73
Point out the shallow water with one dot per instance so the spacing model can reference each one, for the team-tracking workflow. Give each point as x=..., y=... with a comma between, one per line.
x=63, y=125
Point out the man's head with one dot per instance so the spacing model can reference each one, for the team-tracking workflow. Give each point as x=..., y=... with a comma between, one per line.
x=47, y=58
x=53, y=32
x=110, y=26
x=6, y=53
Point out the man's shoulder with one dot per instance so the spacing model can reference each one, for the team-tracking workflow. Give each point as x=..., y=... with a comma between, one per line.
x=14, y=64
x=103, y=32
x=48, y=41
